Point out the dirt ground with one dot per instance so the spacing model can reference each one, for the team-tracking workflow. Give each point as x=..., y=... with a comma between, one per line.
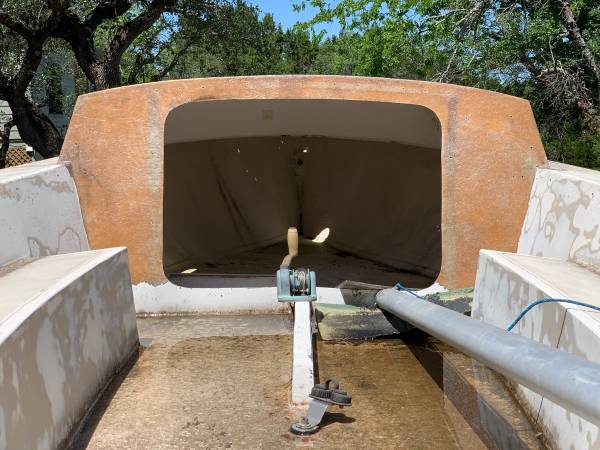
x=221, y=392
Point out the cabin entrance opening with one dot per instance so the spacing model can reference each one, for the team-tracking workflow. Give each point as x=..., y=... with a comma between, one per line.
x=361, y=181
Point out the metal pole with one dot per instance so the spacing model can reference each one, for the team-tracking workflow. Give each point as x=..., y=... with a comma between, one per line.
x=567, y=380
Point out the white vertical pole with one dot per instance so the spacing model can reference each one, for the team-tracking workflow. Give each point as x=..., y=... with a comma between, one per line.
x=302, y=368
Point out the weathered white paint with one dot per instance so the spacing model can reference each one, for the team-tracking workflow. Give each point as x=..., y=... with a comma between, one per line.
x=345, y=119
x=563, y=216
x=39, y=212
x=67, y=323
x=332, y=296
x=169, y=298
x=562, y=232
x=580, y=336
x=302, y=366
x=505, y=284
x=435, y=288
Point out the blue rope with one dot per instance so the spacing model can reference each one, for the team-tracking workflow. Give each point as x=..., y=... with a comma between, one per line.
x=548, y=300
x=525, y=310
x=401, y=287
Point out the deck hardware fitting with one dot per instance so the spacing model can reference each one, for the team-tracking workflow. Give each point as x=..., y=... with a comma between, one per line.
x=322, y=397
x=295, y=285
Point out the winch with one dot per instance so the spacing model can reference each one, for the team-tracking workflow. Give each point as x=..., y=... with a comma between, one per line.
x=295, y=285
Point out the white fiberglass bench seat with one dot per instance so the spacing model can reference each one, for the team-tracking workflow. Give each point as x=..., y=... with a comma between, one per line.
x=67, y=323
x=506, y=283
x=39, y=212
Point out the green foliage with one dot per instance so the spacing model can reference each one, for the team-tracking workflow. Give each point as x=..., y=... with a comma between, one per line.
x=515, y=47
x=12, y=53
x=242, y=42
x=234, y=39
x=575, y=148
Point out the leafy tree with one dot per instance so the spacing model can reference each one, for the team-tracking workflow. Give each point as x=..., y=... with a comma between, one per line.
x=545, y=50
x=25, y=28
x=244, y=43
x=108, y=43
x=98, y=34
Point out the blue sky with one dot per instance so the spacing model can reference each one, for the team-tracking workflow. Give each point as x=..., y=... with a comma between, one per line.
x=284, y=13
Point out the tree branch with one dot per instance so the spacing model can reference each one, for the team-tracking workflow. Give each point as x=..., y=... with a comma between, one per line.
x=142, y=60
x=107, y=9
x=136, y=68
x=473, y=15
x=441, y=78
x=567, y=87
x=8, y=21
x=56, y=7
x=79, y=36
x=127, y=33
x=29, y=66
x=174, y=61
x=577, y=38
x=145, y=56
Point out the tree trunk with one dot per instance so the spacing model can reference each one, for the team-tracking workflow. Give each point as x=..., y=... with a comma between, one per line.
x=5, y=135
x=35, y=127
x=104, y=75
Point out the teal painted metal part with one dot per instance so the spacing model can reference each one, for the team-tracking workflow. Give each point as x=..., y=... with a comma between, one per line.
x=285, y=291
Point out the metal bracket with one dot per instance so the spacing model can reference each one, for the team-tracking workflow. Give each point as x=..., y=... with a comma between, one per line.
x=296, y=285
x=322, y=397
